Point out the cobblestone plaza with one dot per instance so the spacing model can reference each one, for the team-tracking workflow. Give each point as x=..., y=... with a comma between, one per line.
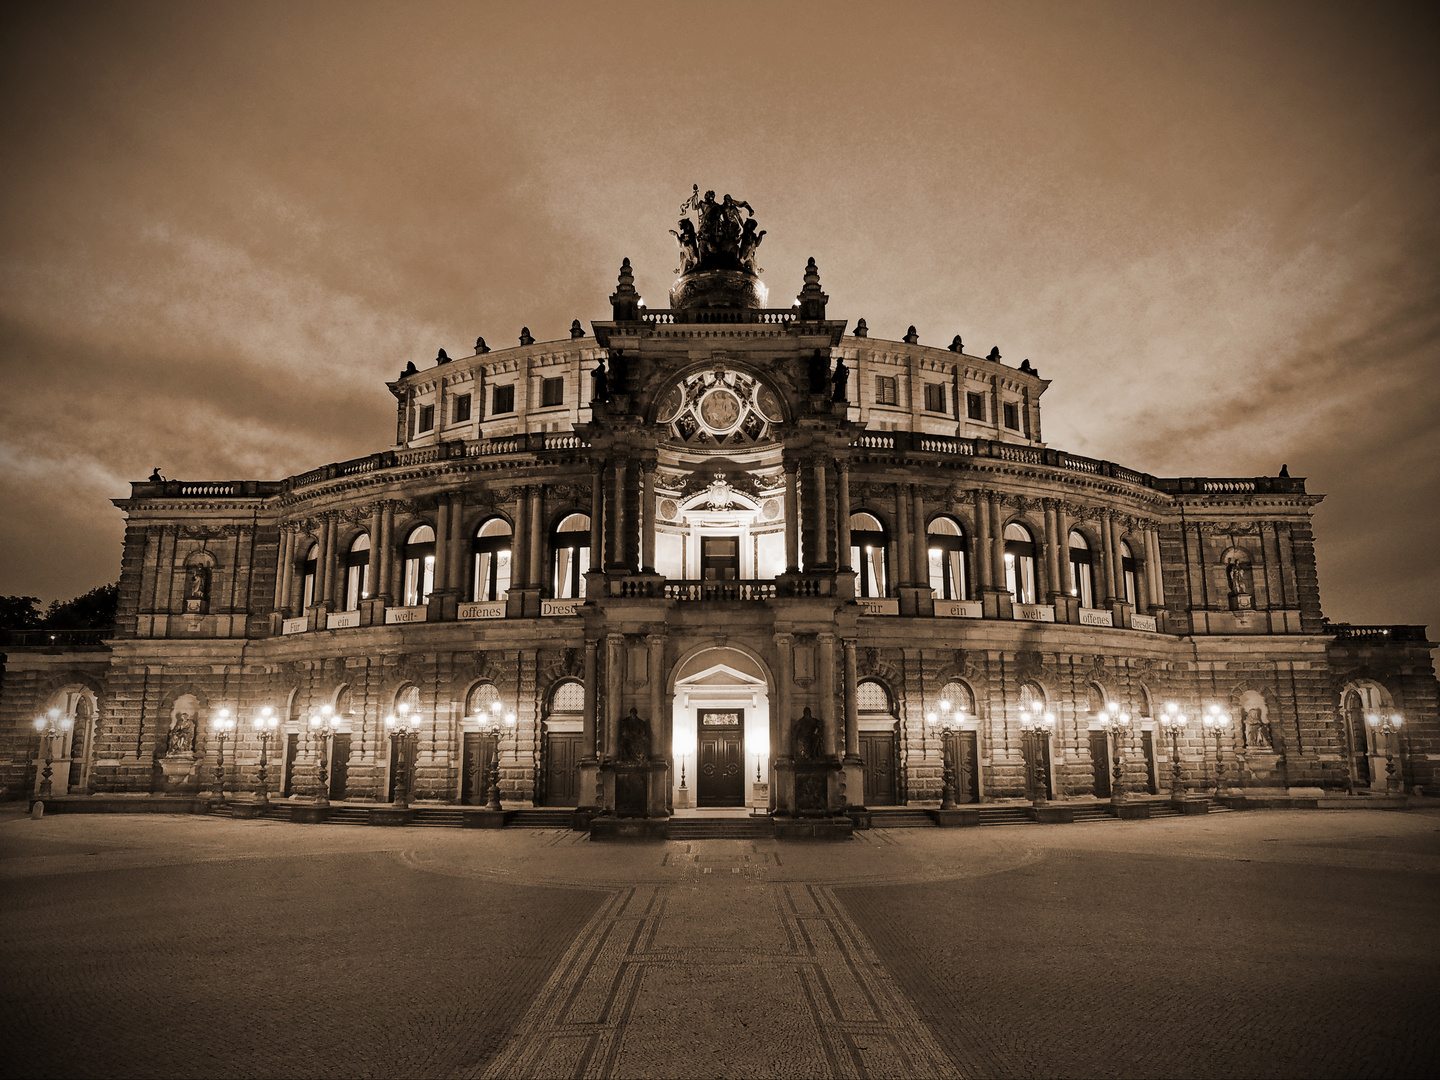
x=1266, y=943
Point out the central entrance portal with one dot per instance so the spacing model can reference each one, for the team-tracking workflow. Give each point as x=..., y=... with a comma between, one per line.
x=720, y=768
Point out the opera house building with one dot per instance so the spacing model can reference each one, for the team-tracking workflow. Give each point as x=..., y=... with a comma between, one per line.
x=719, y=554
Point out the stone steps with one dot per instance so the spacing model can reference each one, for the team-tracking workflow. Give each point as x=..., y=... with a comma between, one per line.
x=719, y=828
x=900, y=817
x=543, y=817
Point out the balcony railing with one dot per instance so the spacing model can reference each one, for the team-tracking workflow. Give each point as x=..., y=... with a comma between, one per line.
x=744, y=589
x=1377, y=635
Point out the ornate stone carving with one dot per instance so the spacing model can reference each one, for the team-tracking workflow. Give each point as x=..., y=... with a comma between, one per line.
x=1029, y=666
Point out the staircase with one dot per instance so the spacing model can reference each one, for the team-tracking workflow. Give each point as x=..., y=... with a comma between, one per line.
x=348, y=815
x=719, y=828
x=438, y=817
x=543, y=817
x=900, y=817
x=1005, y=815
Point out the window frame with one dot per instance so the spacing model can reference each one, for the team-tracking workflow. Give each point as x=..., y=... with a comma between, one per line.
x=547, y=385
x=418, y=567
x=975, y=406
x=935, y=397
x=463, y=405
x=941, y=572
x=1082, y=584
x=1010, y=411
x=357, y=574
x=571, y=541
x=860, y=539
x=424, y=419
x=1020, y=565
x=500, y=406
x=886, y=390
x=491, y=548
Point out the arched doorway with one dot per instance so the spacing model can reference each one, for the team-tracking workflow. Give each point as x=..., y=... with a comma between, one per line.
x=721, y=730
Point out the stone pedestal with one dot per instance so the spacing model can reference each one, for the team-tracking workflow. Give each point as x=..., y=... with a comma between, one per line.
x=637, y=790
x=1190, y=807
x=1131, y=811
x=964, y=817
x=178, y=770
x=1051, y=814
x=309, y=814
x=480, y=818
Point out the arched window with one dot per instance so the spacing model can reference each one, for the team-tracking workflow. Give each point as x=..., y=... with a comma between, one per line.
x=869, y=554
x=1094, y=699
x=1020, y=563
x=1127, y=570
x=490, y=569
x=1082, y=570
x=947, y=545
x=309, y=568
x=1031, y=693
x=419, y=565
x=567, y=701
x=357, y=572
x=484, y=703
x=345, y=702
x=960, y=698
x=571, y=543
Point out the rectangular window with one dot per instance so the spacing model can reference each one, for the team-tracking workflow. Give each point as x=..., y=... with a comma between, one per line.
x=1012, y=415
x=462, y=408
x=935, y=397
x=885, y=389
x=427, y=418
x=504, y=399
x=552, y=392
x=975, y=406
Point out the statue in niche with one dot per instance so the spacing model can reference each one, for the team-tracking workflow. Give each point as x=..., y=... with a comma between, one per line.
x=181, y=739
x=602, y=382
x=1257, y=731
x=197, y=582
x=633, y=739
x=840, y=379
x=809, y=737
x=1238, y=573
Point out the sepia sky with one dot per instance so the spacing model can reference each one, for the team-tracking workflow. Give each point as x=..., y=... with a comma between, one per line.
x=1214, y=226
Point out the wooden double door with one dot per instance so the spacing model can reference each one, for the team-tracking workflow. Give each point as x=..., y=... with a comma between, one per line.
x=720, y=757
x=562, y=768
x=877, y=752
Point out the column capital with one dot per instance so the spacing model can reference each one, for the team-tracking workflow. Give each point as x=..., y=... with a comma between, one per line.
x=784, y=637
x=825, y=638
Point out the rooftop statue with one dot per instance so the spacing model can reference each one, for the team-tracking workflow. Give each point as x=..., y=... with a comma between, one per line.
x=720, y=240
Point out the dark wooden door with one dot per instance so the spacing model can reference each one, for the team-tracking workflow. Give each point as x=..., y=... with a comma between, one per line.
x=562, y=768
x=477, y=756
x=877, y=752
x=720, y=761
x=719, y=558
x=1039, y=780
x=1147, y=744
x=1100, y=762
x=967, y=767
x=292, y=747
x=339, y=764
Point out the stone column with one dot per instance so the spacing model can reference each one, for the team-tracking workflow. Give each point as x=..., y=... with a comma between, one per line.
x=785, y=651
x=387, y=551
x=520, y=547
x=822, y=515
x=1107, y=561
x=618, y=559
x=588, y=749
x=1053, y=542
x=327, y=563
x=647, y=516
x=597, y=515
x=284, y=570
x=1157, y=575
x=537, y=535
x=442, y=545
x=614, y=684
x=997, y=541
x=458, y=548
x=984, y=563
x=1117, y=535
x=921, y=537
x=1142, y=582
x=1062, y=530
x=842, y=516
x=792, y=520
x=827, y=691
x=852, y=704
x=376, y=548
x=659, y=748
x=903, y=546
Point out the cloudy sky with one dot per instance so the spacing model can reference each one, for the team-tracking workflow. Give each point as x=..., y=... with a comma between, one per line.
x=1214, y=226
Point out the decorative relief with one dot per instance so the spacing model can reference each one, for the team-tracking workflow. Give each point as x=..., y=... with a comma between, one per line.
x=408, y=668
x=1029, y=666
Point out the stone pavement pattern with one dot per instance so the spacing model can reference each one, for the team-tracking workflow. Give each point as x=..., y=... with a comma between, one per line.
x=1277, y=944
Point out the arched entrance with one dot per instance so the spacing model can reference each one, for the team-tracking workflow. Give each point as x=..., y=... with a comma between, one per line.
x=721, y=725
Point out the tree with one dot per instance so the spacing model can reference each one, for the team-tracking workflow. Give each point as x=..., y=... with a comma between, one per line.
x=94, y=610
x=19, y=613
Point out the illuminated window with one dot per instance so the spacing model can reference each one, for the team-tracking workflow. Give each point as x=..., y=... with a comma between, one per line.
x=490, y=572
x=462, y=409
x=960, y=698
x=481, y=701
x=947, y=545
x=309, y=568
x=1082, y=570
x=1020, y=563
x=935, y=397
x=1127, y=569
x=419, y=565
x=885, y=389
x=504, y=399
x=357, y=572
x=869, y=552
x=571, y=544
x=552, y=392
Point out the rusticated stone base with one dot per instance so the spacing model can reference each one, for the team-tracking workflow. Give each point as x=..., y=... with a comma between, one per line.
x=122, y=804
x=486, y=819
x=247, y=810
x=1051, y=815
x=1190, y=807
x=813, y=828
x=309, y=814
x=956, y=819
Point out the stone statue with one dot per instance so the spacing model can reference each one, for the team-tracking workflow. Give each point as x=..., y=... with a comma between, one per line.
x=443, y=358
x=1257, y=731
x=957, y=345
x=181, y=739
x=576, y=330
x=1285, y=471
x=634, y=739
x=197, y=582
x=861, y=330
x=716, y=235
x=525, y=338
x=155, y=477
x=840, y=379
x=809, y=738
x=689, y=245
x=749, y=241
x=602, y=382
x=994, y=354
x=1239, y=576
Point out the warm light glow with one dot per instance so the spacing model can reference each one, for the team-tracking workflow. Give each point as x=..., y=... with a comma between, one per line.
x=683, y=742
x=510, y=719
x=495, y=707
x=266, y=719
x=389, y=721
x=930, y=718
x=403, y=708
x=944, y=706
x=39, y=723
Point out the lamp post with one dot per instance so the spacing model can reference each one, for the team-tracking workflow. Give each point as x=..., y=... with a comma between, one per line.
x=949, y=725
x=1171, y=717
x=494, y=730
x=1388, y=724
x=222, y=723
x=406, y=730
x=49, y=726
x=1116, y=724
x=322, y=727
x=1215, y=721
x=265, y=723
x=1037, y=724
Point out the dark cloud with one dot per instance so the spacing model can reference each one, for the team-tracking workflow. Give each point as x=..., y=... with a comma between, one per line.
x=1213, y=225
